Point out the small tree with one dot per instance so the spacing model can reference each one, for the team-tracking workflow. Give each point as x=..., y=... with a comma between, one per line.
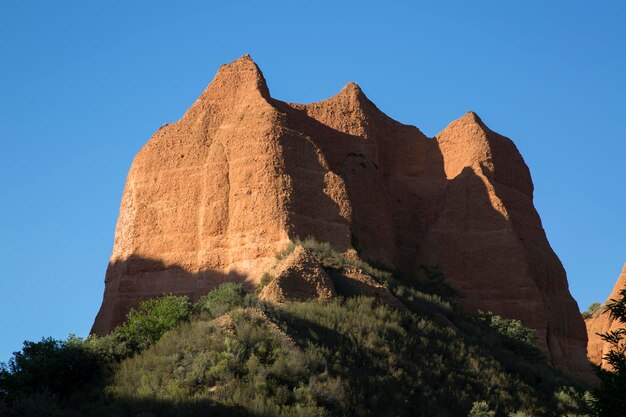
x=593, y=310
x=50, y=366
x=154, y=317
x=610, y=397
x=223, y=299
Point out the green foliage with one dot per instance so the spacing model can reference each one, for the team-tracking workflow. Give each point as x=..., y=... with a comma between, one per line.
x=255, y=368
x=325, y=254
x=348, y=357
x=157, y=316
x=51, y=366
x=593, y=310
x=231, y=355
x=143, y=326
x=568, y=401
x=265, y=279
x=514, y=335
x=154, y=317
x=609, y=397
x=481, y=409
x=507, y=327
x=222, y=299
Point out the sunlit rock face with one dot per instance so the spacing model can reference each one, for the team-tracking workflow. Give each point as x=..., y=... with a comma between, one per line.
x=212, y=197
x=603, y=323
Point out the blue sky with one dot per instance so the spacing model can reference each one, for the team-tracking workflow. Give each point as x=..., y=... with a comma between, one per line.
x=83, y=85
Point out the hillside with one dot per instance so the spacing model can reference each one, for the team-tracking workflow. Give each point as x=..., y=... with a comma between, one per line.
x=351, y=355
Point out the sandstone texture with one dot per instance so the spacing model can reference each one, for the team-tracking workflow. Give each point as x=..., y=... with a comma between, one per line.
x=212, y=198
x=602, y=323
x=298, y=277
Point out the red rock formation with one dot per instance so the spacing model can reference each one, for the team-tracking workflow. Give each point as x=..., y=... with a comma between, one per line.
x=213, y=196
x=602, y=323
x=298, y=277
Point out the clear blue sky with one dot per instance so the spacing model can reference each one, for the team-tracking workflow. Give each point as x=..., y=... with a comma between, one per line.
x=83, y=85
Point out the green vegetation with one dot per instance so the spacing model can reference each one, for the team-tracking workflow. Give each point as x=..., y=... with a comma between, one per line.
x=513, y=335
x=481, y=409
x=143, y=326
x=48, y=367
x=512, y=329
x=593, y=310
x=265, y=279
x=230, y=354
x=222, y=300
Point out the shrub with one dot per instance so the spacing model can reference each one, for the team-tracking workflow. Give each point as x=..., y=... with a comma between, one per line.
x=324, y=252
x=567, y=401
x=154, y=317
x=593, y=310
x=222, y=299
x=514, y=335
x=351, y=356
x=253, y=367
x=265, y=279
x=50, y=366
x=481, y=409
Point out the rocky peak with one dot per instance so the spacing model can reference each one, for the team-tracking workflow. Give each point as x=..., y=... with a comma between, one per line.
x=351, y=91
x=242, y=75
x=464, y=143
x=239, y=80
x=212, y=198
x=469, y=142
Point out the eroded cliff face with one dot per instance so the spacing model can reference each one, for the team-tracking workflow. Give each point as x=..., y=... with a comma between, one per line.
x=602, y=323
x=212, y=197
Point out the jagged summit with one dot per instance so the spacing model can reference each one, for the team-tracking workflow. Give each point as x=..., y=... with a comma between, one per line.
x=471, y=116
x=351, y=91
x=212, y=198
x=352, y=88
x=240, y=76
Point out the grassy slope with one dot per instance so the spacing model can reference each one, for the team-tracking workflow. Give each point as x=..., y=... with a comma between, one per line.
x=350, y=357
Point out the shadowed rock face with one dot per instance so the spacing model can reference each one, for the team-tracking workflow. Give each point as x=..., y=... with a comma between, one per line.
x=220, y=191
x=602, y=323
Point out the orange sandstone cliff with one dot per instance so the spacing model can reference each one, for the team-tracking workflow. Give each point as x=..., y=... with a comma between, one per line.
x=602, y=323
x=212, y=197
